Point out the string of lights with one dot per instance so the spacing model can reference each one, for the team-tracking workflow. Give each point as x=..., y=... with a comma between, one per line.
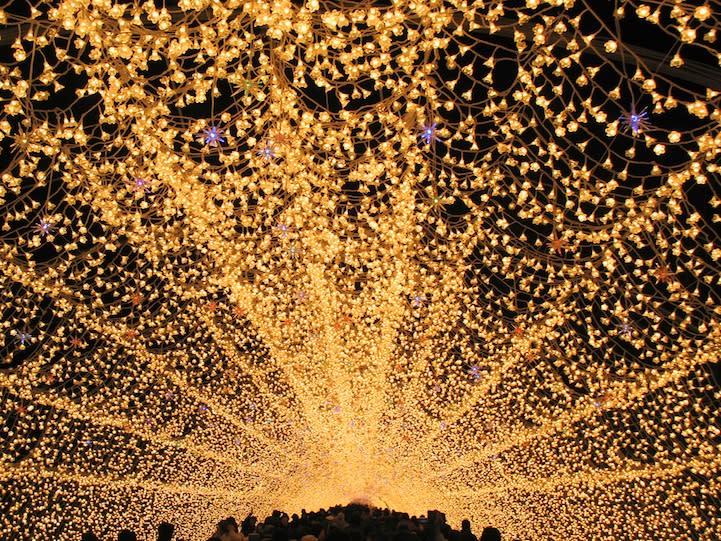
x=440, y=254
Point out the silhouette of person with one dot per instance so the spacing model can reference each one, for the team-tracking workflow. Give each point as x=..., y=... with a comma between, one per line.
x=165, y=531
x=465, y=534
x=127, y=535
x=490, y=534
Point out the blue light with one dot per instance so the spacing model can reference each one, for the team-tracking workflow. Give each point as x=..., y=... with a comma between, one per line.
x=213, y=136
x=428, y=134
x=44, y=227
x=636, y=121
x=267, y=151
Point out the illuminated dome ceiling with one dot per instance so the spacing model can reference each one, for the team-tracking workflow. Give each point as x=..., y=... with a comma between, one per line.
x=272, y=254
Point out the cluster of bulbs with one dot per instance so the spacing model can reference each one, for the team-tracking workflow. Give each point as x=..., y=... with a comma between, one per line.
x=276, y=254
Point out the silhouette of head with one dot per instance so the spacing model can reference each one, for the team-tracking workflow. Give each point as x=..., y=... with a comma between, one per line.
x=165, y=531
x=127, y=535
x=490, y=534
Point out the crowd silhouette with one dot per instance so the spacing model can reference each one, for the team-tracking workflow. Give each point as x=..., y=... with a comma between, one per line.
x=353, y=522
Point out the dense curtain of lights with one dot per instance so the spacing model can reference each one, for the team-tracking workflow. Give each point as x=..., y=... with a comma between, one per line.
x=432, y=254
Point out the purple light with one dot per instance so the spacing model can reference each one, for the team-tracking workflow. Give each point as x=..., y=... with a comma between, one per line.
x=141, y=185
x=283, y=229
x=44, y=227
x=213, y=136
x=428, y=133
x=267, y=151
x=636, y=121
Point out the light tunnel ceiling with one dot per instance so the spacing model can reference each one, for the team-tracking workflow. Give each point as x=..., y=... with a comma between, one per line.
x=447, y=254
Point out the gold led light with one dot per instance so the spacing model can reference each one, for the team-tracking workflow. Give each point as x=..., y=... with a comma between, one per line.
x=281, y=255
